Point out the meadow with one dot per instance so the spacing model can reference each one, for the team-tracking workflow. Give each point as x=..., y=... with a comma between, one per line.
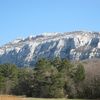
x=53, y=99
x=8, y=97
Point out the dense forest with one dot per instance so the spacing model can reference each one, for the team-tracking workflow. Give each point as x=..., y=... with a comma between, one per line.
x=55, y=78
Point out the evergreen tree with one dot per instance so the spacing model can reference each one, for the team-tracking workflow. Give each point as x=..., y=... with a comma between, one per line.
x=80, y=73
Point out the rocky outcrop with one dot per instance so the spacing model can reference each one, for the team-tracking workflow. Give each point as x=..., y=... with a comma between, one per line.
x=78, y=45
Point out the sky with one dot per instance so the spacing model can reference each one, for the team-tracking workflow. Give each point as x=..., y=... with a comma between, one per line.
x=22, y=18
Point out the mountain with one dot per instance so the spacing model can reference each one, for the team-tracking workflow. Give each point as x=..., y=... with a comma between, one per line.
x=77, y=45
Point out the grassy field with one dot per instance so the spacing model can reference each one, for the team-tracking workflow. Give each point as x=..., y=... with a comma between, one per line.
x=7, y=97
x=53, y=99
x=56, y=99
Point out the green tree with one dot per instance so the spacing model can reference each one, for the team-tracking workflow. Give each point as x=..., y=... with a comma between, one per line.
x=43, y=72
x=25, y=82
x=9, y=74
x=80, y=73
x=2, y=85
x=57, y=86
x=55, y=78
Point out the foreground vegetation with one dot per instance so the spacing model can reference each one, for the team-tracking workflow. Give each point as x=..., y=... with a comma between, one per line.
x=52, y=99
x=57, y=78
x=9, y=97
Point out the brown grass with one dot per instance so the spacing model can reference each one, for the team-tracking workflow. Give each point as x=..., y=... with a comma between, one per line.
x=8, y=97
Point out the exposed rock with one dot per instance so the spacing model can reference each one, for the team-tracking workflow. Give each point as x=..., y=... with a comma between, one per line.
x=78, y=45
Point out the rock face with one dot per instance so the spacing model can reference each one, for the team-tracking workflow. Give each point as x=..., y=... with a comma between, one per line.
x=78, y=45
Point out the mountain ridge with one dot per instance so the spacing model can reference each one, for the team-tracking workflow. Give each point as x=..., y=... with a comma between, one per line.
x=77, y=45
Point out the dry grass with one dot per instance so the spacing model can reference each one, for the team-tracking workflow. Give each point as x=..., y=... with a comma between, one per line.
x=8, y=97
x=46, y=99
x=56, y=99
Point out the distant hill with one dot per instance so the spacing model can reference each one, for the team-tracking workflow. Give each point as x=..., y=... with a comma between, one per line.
x=77, y=45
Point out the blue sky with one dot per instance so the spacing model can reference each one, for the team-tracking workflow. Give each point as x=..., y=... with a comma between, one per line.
x=21, y=18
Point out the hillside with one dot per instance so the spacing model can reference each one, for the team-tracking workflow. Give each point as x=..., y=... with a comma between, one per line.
x=78, y=45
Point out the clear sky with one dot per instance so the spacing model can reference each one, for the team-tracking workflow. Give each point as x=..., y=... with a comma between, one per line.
x=21, y=18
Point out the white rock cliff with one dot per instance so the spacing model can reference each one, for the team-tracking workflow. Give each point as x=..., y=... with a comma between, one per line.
x=78, y=45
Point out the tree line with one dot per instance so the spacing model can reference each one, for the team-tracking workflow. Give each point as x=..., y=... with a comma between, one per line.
x=57, y=78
